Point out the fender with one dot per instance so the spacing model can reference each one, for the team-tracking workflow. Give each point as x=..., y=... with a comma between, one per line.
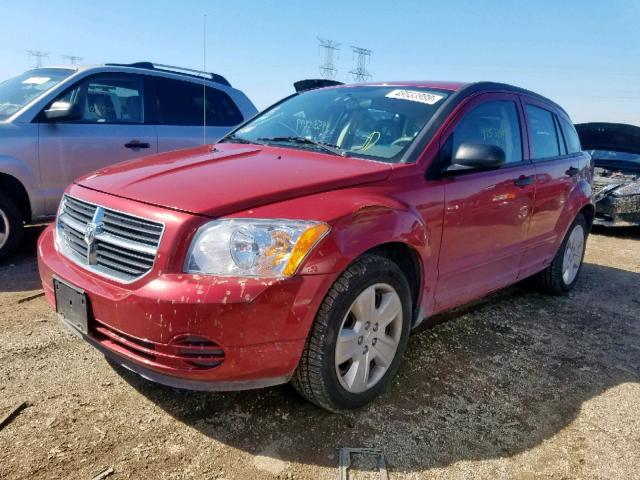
x=580, y=196
x=360, y=220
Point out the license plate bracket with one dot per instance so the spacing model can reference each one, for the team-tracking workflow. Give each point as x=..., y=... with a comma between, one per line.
x=73, y=305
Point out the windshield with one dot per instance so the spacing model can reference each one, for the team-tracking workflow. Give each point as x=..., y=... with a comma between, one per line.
x=608, y=156
x=373, y=122
x=16, y=92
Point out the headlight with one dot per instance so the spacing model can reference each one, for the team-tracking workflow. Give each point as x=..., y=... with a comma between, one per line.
x=631, y=189
x=253, y=248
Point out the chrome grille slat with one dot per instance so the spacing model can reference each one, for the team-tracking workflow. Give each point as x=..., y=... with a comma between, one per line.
x=102, y=252
x=111, y=243
x=122, y=232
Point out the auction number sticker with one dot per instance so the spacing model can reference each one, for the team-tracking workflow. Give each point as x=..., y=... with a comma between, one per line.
x=36, y=80
x=414, y=96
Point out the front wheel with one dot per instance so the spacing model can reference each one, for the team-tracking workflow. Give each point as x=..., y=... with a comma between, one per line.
x=562, y=275
x=358, y=338
x=11, y=227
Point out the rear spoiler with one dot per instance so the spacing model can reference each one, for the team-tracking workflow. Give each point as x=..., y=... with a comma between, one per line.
x=312, y=84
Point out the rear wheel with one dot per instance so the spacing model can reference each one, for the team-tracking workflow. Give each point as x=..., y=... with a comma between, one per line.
x=562, y=274
x=358, y=338
x=11, y=227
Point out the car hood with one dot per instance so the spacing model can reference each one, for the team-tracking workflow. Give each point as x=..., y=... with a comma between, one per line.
x=227, y=178
x=618, y=137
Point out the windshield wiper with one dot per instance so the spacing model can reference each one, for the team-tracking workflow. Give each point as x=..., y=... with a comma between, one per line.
x=235, y=139
x=333, y=149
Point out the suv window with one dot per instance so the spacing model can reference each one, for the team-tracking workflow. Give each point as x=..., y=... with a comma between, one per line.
x=571, y=137
x=181, y=103
x=544, y=136
x=108, y=99
x=492, y=123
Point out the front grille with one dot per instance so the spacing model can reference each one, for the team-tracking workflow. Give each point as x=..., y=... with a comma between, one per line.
x=114, y=244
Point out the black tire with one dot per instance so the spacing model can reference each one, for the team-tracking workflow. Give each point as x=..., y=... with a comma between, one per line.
x=10, y=213
x=551, y=280
x=316, y=378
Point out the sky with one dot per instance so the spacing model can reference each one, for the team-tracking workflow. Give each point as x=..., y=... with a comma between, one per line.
x=585, y=54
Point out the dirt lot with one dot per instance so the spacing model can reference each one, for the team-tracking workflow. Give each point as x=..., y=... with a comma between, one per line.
x=521, y=386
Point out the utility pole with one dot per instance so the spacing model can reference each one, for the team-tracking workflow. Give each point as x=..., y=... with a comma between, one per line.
x=72, y=59
x=363, y=57
x=37, y=55
x=328, y=69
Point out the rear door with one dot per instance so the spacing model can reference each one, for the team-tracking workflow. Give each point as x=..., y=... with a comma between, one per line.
x=113, y=128
x=486, y=213
x=182, y=110
x=557, y=166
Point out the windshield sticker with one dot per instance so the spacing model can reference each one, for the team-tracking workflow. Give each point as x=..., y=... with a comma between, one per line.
x=413, y=96
x=36, y=80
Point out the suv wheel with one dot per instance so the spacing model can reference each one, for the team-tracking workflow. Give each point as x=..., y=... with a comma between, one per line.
x=358, y=338
x=562, y=274
x=11, y=227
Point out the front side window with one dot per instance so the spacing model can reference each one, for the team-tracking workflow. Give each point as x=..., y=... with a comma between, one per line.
x=108, y=99
x=16, y=92
x=544, y=136
x=492, y=123
x=181, y=103
x=372, y=122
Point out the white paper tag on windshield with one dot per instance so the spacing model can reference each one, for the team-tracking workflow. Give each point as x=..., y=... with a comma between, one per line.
x=36, y=80
x=414, y=96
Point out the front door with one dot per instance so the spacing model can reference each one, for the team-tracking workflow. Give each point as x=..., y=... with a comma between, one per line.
x=486, y=214
x=112, y=129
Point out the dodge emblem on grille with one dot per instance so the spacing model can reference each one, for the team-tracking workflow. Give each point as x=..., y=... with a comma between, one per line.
x=90, y=233
x=92, y=229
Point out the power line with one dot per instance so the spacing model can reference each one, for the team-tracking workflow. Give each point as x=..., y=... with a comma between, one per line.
x=330, y=49
x=72, y=59
x=363, y=57
x=37, y=55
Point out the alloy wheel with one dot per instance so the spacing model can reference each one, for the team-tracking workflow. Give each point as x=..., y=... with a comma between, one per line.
x=368, y=338
x=573, y=253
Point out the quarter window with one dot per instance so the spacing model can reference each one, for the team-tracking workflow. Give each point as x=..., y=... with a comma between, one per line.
x=544, y=136
x=181, y=103
x=571, y=136
x=492, y=123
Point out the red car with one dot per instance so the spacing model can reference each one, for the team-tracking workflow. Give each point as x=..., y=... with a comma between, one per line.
x=309, y=243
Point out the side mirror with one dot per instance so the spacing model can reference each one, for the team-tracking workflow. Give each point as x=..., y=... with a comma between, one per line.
x=477, y=156
x=63, y=111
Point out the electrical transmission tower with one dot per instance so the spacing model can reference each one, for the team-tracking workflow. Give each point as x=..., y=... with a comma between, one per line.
x=328, y=69
x=37, y=56
x=72, y=59
x=363, y=57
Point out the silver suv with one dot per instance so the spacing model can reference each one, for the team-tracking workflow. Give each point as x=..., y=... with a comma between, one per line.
x=57, y=124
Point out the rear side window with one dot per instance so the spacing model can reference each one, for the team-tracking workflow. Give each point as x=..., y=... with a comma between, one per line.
x=182, y=103
x=492, y=123
x=571, y=137
x=544, y=136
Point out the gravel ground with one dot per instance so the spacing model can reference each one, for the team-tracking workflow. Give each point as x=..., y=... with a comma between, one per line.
x=518, y=386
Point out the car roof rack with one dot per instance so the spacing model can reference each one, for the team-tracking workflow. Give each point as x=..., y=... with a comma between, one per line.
x=159, y=67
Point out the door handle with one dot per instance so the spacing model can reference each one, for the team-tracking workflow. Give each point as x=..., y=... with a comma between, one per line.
x=135, y=144
x=524, y=180
x=572, y=172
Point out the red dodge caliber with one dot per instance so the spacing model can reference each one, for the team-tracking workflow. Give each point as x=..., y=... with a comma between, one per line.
x=310, y=242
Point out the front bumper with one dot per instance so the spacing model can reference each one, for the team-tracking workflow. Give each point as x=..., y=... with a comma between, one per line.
x=194, y=331
x=612, y=211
